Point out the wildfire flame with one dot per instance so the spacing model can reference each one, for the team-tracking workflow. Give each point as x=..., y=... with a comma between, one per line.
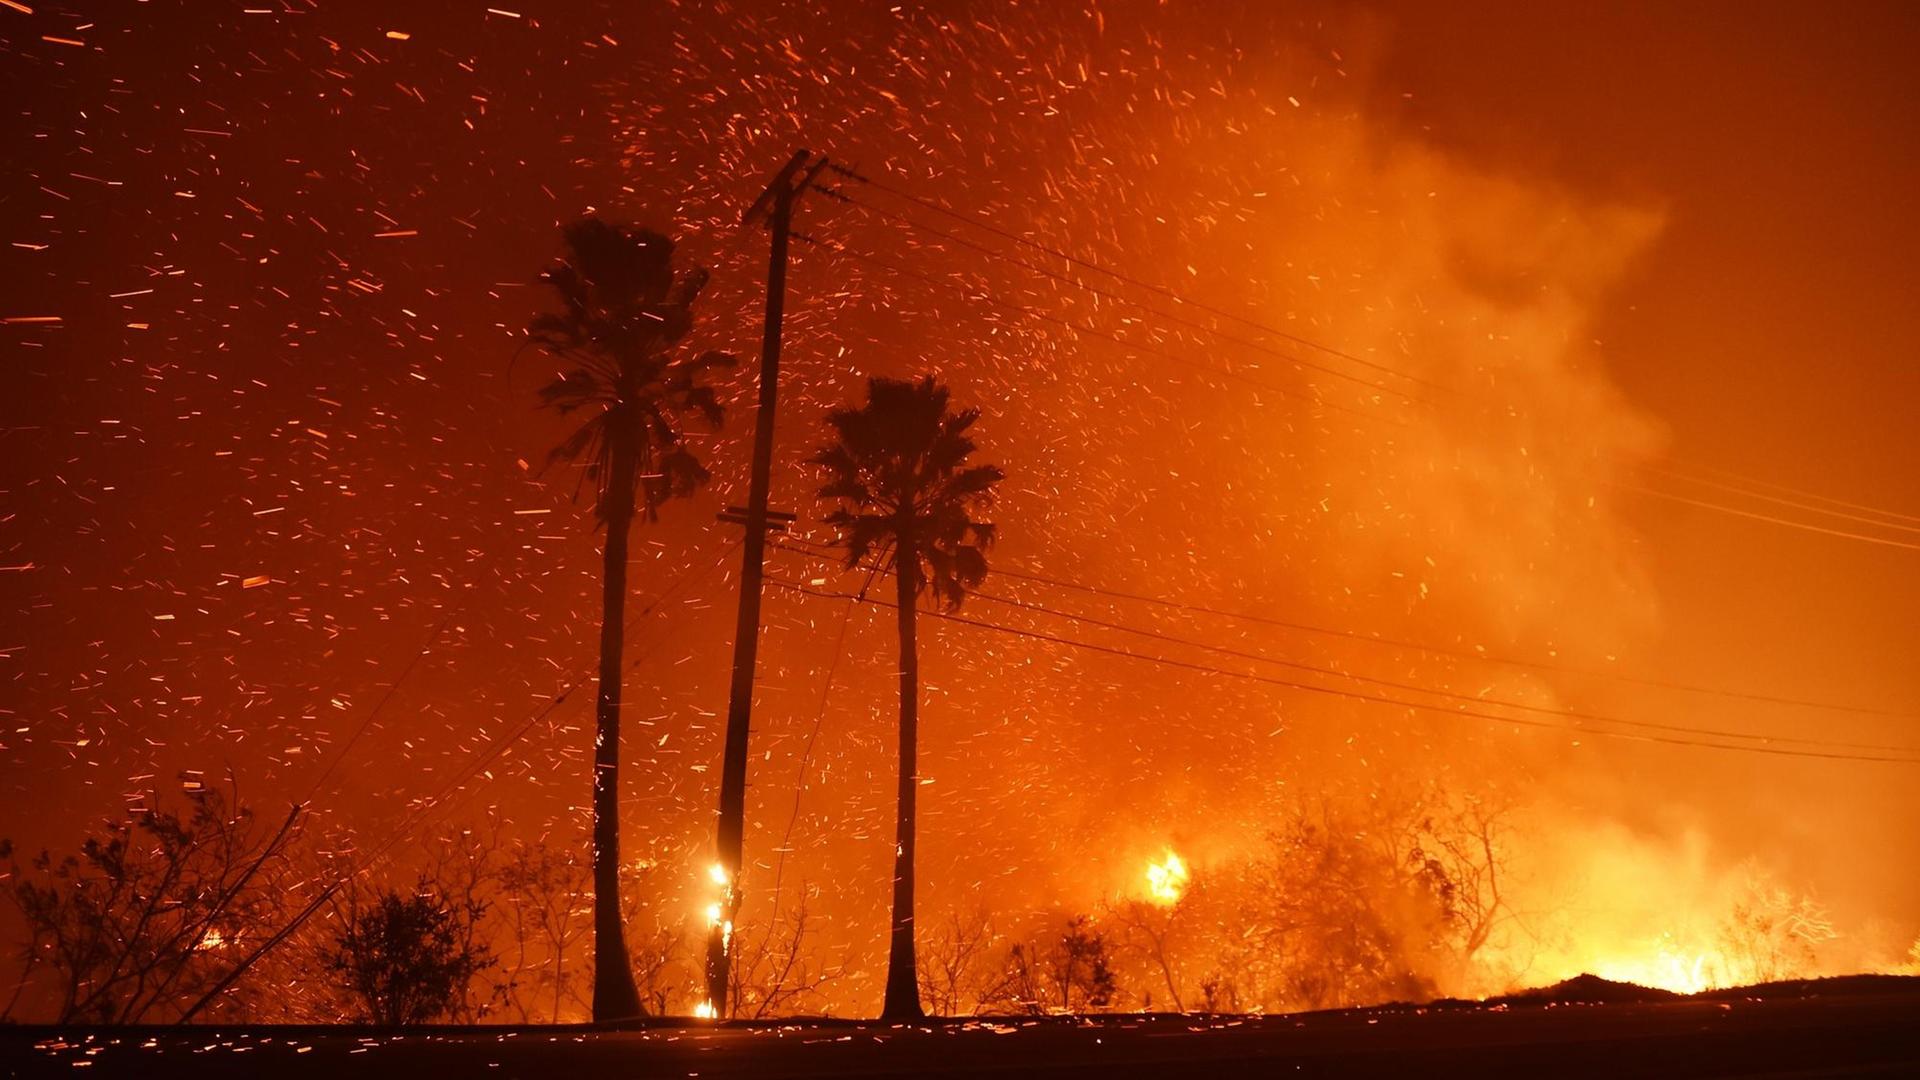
x=1665, y=965
x=717, y=911
x=703, y=1010
x=1167, y=879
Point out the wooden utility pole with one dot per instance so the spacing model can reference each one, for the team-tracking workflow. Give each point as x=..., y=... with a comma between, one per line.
x=776, y=204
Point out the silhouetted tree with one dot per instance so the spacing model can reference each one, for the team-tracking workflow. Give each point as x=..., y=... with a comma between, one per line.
x=771, y=974
x=1021, y=987
x=951, y=973
x=1770, y=933
x=542, y=892
x=1071, y=973
x=151, y=913
x=1154, y=930
x=1082, y=978
x=407, y=959
x=464, y=867
x=899, y=472
x=624, y=311
x=1219, y=993
x=658, y=944
x=1355, y=906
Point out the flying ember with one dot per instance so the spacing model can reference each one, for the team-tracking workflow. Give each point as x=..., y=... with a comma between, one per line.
x=791, y=512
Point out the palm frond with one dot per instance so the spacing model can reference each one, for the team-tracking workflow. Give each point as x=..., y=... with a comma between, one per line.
x=902, y=453
x=977, y=481
x=675, y=475
x=622, y=307
x=577, y=389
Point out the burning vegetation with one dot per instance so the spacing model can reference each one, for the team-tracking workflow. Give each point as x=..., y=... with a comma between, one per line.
x=1309, y=658
x=1344, y=903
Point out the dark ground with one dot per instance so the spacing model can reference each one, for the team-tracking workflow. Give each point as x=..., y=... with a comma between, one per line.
x=1839, y=1028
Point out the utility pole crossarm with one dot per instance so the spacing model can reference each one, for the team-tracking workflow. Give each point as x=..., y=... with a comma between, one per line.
x=782, y=186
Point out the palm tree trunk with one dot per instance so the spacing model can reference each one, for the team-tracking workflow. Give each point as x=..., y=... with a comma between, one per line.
x=902, y=1001
x=614, y=995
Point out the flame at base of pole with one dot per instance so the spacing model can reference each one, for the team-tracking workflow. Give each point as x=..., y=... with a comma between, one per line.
x=719, y=943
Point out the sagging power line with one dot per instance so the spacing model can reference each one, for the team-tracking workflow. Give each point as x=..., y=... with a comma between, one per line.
x=1399, y=643
x=1180, y=299
x=1543, y=710
x=803, y=588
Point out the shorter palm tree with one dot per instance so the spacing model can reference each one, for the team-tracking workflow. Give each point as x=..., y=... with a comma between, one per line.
x=899, y=472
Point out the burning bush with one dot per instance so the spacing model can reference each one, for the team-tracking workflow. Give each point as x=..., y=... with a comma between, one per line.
x=1347, y=902
x=1770, y=933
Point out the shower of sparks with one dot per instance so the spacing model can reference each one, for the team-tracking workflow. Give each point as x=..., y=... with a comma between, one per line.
x=274, y=435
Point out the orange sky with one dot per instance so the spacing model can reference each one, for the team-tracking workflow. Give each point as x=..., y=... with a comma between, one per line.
x=1662, y=234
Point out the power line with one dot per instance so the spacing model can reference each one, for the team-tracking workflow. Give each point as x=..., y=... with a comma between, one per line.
x=1418, y=689
x=422, y=812
x=822, y=551
x=1771, y=486
x=1036, y=313
x=1130, y=302
x=394, y=686
x=806, y=755
x=1809, y=507
x=820, y=715
x=991, y=298
x=499, y=746
x=1353, y=694
x=1168, y=293
x=1088, y=264
x=1769, y=518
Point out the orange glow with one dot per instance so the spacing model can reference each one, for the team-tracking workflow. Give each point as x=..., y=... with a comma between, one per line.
x=1167, y=879
x=1366, y=532
x=1662, y=964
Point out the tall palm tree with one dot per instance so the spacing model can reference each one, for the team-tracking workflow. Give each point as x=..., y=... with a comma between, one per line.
x=623, y=312
x=899, y=472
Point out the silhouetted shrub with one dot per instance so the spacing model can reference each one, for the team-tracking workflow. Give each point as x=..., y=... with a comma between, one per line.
x=149, y=915
x=407, y=959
